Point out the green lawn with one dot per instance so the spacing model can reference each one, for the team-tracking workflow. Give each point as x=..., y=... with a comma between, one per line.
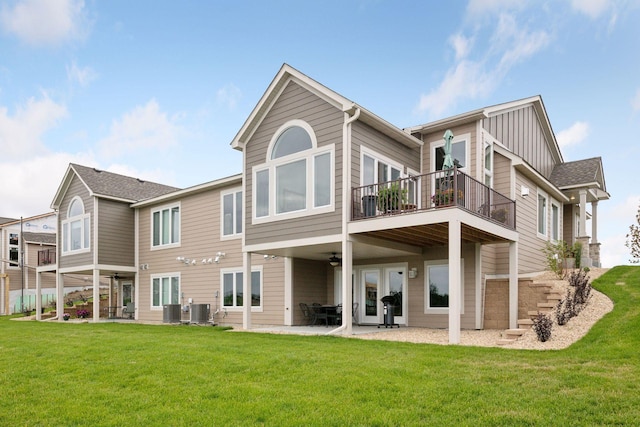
x=72, y=374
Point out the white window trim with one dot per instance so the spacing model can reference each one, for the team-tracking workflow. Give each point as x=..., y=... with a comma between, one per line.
x=466, y=137
x=160, y=209
x=233, y=235
x=544, y=235
x=441, y=262
x=559, y=221
x=68, y=222
x=271, y=165
x=488, y=172
x=161, y=276
x=234, y=270
x=378, y=158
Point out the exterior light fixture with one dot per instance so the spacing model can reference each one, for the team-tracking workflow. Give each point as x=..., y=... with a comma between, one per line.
x=334, y=260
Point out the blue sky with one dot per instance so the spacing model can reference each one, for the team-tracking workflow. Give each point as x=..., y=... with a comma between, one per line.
x=158, y=89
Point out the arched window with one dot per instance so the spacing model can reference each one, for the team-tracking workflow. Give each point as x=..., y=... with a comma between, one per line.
x=76, y=228
x=297, y=177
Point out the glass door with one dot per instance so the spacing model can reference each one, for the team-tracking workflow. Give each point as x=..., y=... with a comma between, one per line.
x=370, y=305
x=395, y=286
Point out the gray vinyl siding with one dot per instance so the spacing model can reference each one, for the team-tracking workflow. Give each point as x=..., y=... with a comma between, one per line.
x=200, y=231
x=326, y=121
x=115, y=233
x=363, y=135
x=568, y=221
x=520, y=131
x=76, y=188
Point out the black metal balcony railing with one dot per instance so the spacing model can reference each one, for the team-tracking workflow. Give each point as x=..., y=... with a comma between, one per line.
x=46, y=257
x=431, y=191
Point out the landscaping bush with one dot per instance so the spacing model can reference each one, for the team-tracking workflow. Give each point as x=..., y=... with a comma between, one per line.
x=542, y=325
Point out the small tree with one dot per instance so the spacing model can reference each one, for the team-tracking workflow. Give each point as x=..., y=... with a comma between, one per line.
x=633, y=239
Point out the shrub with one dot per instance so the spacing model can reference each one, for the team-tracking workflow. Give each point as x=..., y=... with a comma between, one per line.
x=542, y=326
x=82, y=314
x=555, y=254
x=581, y=286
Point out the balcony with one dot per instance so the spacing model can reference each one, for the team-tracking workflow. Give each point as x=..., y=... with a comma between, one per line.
x=442, y=189
x=46, y=257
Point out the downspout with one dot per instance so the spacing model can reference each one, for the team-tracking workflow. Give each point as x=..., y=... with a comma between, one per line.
x=347, y=302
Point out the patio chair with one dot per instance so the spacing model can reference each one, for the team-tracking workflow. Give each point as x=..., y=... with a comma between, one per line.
x=319, y=313
x=129, y=310
x=307, y=313
x=335, y=317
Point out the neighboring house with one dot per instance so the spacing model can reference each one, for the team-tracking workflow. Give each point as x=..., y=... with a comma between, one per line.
x=318, y=174
x=26, y=244
x=96, y=225
x=325, y=179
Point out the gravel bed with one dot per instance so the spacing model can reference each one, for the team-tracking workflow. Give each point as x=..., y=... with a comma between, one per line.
x=561, y=336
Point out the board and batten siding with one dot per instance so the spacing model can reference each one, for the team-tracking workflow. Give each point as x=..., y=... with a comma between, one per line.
x=520, y=131
x=116, y=238
x=76, y=188
x=295, y=102
x=200, y=238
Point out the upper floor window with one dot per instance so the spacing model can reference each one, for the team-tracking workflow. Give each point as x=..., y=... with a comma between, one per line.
x=377, y=169
x=232, y=213
x=165, y=224
x=488, y=164
x=14, y=250
x=542, y=214
x=555, y=222
x=459, y=154
x=297, y=178
x=76, y=229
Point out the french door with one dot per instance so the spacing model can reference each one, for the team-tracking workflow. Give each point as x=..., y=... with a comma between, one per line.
x=379, y=282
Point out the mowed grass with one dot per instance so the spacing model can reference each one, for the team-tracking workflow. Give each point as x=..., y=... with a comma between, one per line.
x=72, y=374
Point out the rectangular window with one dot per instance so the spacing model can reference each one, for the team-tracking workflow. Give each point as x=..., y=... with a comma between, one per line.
x=437, y=286
x=232, y=288
x=262, y=193
x=322, y=180
x=376, y=170
x=165, y=226
x=14, y=257
x=232, y=213
x=76, y=234
x=542, y=214
x=291, y=186
x=488, y=164
x=555, y=222
x=458, y=155
x=165, y=290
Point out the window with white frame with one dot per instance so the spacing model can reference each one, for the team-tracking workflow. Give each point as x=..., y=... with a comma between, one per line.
x=165, y=226
x=459, y=153
x=555, y=222
x=76, y=229
x=165, y=289
x=14, y=250
x=231, y=213
x=437, y=286
x=232, y=288
x=488, y=164
x=542, y=214
x=377, y=169
x=297, y=178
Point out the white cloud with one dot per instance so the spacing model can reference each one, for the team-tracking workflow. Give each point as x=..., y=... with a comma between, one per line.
x=144, y=128
x=578, y=132
x=229, y=95
x=592, y=8
x=20, y=134
x=81, y=75
x=635, y=101
x=33, y=182
x=44, y=22
x=617, y=217
x=461, y=45
x=510, y=44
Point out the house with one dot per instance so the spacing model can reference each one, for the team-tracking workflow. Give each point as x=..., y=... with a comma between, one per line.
x=337, y=206
x=322, y=175
x=25, y=244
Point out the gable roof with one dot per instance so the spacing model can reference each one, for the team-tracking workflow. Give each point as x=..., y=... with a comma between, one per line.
x=4, y=220
x=109, y=185
x=44, y=238
x=492, y=110
x=579, y=173
x=288, y=74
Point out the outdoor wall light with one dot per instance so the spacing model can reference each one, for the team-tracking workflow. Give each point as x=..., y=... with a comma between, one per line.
x=524, y=191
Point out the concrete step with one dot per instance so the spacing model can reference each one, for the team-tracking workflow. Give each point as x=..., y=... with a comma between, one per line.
x=505, y=341
x=525, y=323
x=548, y=305
x=535, y=313
x=514, y=333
